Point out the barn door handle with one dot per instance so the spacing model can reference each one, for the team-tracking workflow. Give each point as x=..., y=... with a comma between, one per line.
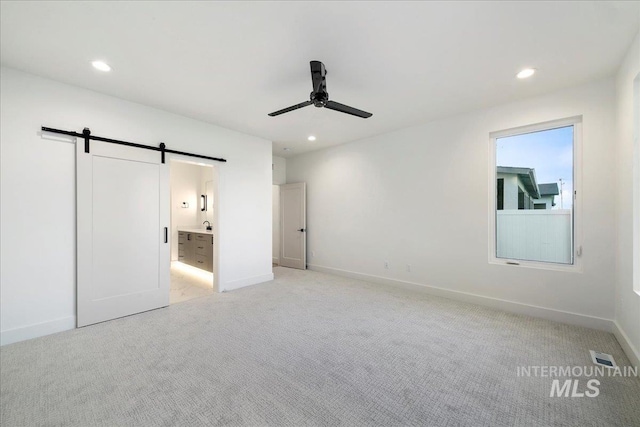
x=166, y=235
x=302, y=230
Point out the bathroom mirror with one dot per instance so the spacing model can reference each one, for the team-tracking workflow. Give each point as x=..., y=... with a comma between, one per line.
x=208, y=188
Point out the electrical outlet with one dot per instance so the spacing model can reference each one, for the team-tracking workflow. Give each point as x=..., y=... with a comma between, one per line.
x=313, y=254
x=386, y=265
x=408, y=268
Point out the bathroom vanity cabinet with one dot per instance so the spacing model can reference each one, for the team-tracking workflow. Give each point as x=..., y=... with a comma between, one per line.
x=196, y=249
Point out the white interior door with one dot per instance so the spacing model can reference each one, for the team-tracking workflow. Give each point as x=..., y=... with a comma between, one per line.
x=293, y=226
x=122, y=245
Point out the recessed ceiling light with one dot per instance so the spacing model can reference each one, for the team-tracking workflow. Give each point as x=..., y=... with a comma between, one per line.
x=527, y=72
x=286, y=149
x=100, y=65
x=311, y=138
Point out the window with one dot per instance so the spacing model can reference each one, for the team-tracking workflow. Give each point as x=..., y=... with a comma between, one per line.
x=520, y=199
x=534, y=207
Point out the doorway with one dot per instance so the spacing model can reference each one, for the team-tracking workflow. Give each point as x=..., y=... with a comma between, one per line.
x=293, y=226
x=193, y=229
x=123, y=220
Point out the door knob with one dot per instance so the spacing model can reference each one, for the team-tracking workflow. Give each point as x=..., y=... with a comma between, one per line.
x=302, y=229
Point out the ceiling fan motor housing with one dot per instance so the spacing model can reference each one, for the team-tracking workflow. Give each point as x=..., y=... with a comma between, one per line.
x=319, y=99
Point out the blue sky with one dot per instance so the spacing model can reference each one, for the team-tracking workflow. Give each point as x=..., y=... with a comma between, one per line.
x=549, y=152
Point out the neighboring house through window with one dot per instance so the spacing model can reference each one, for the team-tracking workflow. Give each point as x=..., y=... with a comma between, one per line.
x=547, y=195
x=522, y=191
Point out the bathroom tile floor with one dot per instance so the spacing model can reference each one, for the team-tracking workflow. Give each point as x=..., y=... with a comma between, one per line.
x=189, y=282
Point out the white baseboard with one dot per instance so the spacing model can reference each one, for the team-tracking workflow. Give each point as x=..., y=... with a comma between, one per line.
x=38, y=330
x=248, y=281
x=632, y=353
x=499, y=304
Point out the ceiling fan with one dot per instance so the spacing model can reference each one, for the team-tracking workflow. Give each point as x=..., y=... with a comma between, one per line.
x=320, y=98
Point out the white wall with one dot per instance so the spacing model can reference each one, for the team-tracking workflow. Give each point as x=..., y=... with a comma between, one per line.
x=279, y=172
x=207, y=174
x=279, y=177
x=275, y=226
x=419, y=196
x=510, y=190
x=627, y=314
x=547, y=200
x=37, y=279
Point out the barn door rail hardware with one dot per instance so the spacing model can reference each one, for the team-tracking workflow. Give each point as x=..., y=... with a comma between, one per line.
x=86, y=136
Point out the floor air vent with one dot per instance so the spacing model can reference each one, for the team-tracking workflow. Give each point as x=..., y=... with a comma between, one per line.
x=602, y=359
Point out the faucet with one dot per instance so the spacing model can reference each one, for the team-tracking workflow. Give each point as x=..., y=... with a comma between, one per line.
x=208, y=225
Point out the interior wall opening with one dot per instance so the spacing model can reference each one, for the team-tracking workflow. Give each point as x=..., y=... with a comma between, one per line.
x=193, y=230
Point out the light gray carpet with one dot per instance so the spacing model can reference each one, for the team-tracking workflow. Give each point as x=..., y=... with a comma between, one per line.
x=310, y=349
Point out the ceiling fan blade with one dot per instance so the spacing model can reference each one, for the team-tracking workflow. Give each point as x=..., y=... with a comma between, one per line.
x=318, y=73
x=293, y=107
x=332, y=105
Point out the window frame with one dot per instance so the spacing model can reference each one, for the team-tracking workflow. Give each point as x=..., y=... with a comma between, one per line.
x=636, y=187
x=576, y=122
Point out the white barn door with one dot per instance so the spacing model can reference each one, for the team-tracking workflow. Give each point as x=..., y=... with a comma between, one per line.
x=122, y=247
x=293, y=226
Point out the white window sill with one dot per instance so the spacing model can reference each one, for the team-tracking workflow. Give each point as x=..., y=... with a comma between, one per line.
x=567, y=268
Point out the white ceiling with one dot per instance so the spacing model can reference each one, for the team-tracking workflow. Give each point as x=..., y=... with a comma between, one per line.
x=231, y=63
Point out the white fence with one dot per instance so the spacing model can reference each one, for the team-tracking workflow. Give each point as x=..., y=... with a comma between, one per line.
x=534, y=235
